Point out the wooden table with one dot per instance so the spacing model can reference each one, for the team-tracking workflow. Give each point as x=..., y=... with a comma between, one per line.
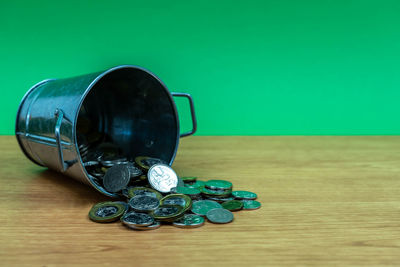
x=326, y=201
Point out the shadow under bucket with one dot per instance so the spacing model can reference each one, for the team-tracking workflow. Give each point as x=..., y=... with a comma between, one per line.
x=126, y=105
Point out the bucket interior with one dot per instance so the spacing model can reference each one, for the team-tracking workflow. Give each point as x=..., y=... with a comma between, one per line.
x=131, y=109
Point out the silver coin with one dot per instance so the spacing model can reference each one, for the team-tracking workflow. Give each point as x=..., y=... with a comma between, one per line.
x=219, y=215
x=91, y=163
x=134, y=171
x=201, y=207
x=106, y=211
x=189, y=221
x=180, y=183
x=109, y=161
x=175, y=201
x=116, y=178
x=144, y=203
x=135, y=191
x=97, y=173
x=162, y=178
x=153, y=226
x=137, y=219
x=152, y=161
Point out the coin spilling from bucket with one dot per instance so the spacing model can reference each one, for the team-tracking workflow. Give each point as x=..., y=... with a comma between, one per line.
x=155, y=195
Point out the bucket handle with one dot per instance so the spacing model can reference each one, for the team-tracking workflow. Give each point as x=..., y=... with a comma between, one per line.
x=194, y=121
x=59, y=115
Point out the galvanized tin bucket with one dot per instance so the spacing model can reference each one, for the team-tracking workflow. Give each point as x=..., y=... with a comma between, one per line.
x=128, y=103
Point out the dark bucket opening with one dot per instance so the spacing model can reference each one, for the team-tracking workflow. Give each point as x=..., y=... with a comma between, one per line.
x=130, y=108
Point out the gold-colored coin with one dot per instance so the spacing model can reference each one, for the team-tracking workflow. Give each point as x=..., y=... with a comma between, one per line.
x=108, y=211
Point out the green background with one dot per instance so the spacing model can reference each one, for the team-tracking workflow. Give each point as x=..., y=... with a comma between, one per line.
x=253, y=67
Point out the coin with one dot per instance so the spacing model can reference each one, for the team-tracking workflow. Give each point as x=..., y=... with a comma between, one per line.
x=162, y=178
x=192, y=192
x=135, y=191
x=133, y=170
x=126, y=205
x=180, y=182
x=116, y=178
x=91, y=163
x=177, y=199
x=109, y=161
x=106, y=211
x=97, y=173
x=218, y=185
x=189, y=179
x=153, y=226
x=219, y=215
x=215, y=193
x=144, y=203
x=132, y=219
x=251, y=204
x=143, y=177
x=220, y=199
x=168, y=212
x=244, y=195
x=198, y=184
x=146, y=162
x=189, y=221
x=232, y=205
x=201, y=207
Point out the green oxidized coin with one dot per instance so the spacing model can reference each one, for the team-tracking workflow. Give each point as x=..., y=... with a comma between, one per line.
x=189, y=221
x=177, y=199
x=189, y=179
x=219, y=216
x=232, y=205
x=244, y=195
x=187, y=191
x=201, y=207
x=215, y=193
x=198, y=184
x=168, y=213
x=218, y=185
x=134, y=191
x=251, y=204
x=221, y=199
x=107, y=211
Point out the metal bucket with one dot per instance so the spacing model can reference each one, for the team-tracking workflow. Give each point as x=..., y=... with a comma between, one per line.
x=128, y=104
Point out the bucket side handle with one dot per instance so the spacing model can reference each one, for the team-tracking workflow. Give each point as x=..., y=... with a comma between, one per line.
x=194, y=120
x=59, y=115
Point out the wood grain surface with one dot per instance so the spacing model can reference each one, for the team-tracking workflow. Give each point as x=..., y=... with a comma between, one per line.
x=325, y=201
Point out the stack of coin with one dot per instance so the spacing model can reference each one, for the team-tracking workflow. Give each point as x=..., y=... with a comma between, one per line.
x=155, y=195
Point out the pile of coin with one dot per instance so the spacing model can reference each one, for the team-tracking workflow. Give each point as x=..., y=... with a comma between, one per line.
x=156, y=195
x=153, y=192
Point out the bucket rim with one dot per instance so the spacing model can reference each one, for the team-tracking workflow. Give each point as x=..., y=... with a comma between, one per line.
x=82, y=99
